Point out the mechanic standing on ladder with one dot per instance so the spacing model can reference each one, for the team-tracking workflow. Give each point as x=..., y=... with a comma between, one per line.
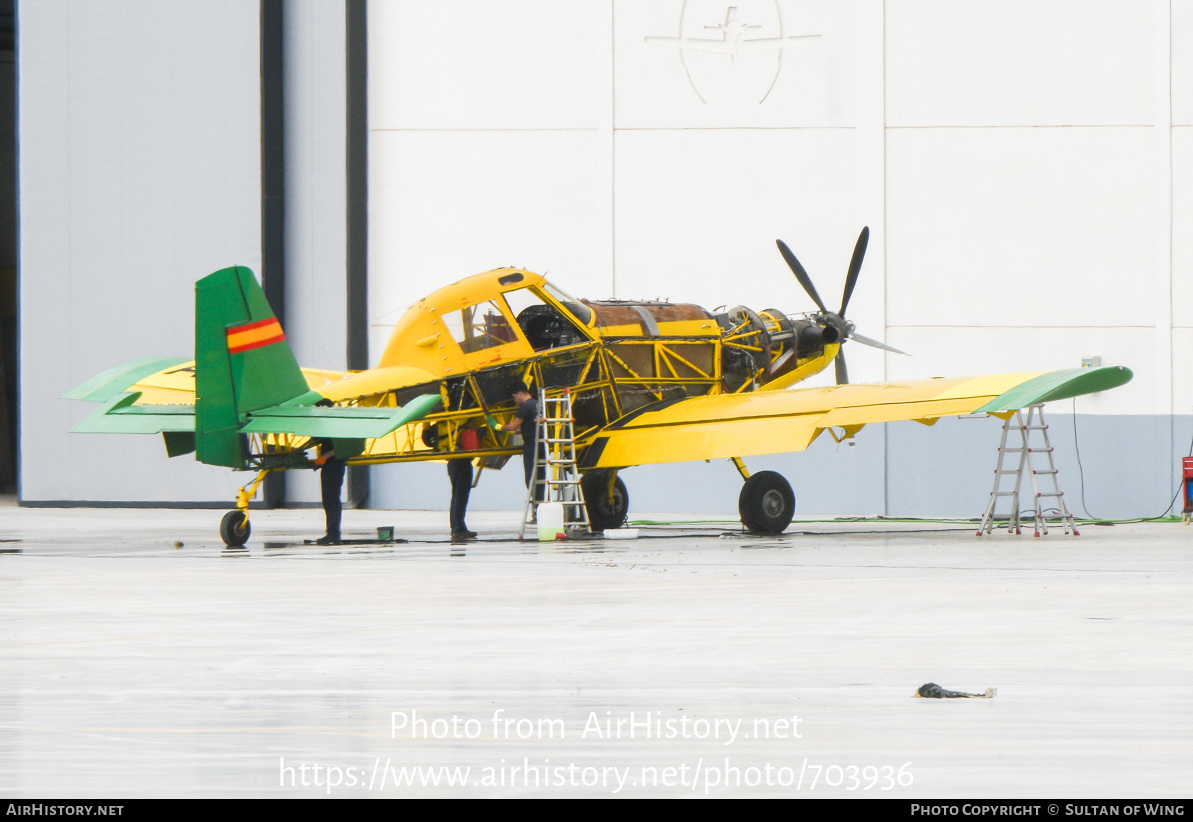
x=524, y=420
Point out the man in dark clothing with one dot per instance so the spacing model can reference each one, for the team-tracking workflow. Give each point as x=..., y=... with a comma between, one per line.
x=459, y=471
x=331, y=480
x=525, y=421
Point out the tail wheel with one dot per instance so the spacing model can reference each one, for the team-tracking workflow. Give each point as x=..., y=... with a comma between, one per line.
x=767, y=503
x=603, y=511
x=235, y=529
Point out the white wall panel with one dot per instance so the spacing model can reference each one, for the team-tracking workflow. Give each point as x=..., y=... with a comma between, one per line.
x=1019, y=62
x=1181, y=46
x=1182, y=227
x=139, y=163
x=483, y=64
x=806, y=82
x=1182, y=367
x=1019, y=227
x=447, y=205
x=1007, y=249
x=697, y=214
x=960, y=352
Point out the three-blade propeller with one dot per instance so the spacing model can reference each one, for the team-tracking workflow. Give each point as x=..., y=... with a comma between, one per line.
x=837, y=320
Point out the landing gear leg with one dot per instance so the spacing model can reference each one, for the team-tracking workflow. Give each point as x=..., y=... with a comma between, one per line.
x=234, y=527
x=766, y=503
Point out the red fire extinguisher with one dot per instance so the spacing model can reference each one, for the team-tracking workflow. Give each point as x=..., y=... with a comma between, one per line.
x=1187, y=482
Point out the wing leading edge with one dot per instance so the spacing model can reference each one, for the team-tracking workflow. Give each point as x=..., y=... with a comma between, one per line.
x=741, y=425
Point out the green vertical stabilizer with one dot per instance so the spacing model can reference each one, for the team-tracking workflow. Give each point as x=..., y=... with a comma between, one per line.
x=239, y=368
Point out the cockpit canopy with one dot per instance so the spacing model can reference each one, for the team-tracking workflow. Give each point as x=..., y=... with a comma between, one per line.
x=507, y=313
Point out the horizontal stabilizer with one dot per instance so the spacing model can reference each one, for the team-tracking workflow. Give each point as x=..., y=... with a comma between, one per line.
x=338, y=422
x=121, y=416
x=116, y=380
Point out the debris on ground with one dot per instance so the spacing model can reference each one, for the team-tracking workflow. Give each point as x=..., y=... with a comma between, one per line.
x=930, y=690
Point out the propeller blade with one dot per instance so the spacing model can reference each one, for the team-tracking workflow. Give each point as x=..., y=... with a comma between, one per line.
x=855, y=267
x=876, y=344
x=800, y=274
x=842, y=373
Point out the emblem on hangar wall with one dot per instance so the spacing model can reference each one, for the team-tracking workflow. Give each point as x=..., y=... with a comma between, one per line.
x=728, y=52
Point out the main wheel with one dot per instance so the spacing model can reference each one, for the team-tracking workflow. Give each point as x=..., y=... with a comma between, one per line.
x=234, y=528
x=604, y=512
x=767, y=503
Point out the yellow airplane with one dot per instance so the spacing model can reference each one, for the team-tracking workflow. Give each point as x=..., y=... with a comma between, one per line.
x=651, y=382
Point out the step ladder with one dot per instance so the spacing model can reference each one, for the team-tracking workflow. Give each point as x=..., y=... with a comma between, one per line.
x=1031, y=454
x=555, y=478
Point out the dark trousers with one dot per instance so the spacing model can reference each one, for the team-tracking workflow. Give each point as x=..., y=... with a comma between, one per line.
x=528, y=468
x=331, y=480
x=459, y=471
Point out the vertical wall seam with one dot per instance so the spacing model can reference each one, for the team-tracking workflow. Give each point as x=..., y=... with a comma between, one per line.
x=273, y=240
x=605, y=161
x=1162, y=146
x=356, y=192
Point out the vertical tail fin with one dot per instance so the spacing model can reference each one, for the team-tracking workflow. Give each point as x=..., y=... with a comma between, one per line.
x=242, y=362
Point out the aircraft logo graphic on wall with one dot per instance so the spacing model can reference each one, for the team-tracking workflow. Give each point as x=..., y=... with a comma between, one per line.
x=651, y=382
x=750, y=35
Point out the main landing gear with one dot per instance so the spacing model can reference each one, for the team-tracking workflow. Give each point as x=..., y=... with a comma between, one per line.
x=766, y=503
x=606, y=498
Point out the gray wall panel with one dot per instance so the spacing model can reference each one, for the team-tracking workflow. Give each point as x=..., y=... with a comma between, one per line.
x=947, y=470
x=139, y=157
x=316, y=195
x=944, y=470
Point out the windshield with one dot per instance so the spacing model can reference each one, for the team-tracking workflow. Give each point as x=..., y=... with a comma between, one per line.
x=579, y=310
x=544, y=325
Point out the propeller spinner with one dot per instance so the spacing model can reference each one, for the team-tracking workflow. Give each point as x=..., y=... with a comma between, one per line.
x=836, y=320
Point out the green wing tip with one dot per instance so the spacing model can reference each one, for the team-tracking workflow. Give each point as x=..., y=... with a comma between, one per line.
x=1058, y=385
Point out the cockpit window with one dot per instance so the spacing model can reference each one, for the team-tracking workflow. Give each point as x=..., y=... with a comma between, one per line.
x=579, y=310
x=542, y=323
x=478, y=327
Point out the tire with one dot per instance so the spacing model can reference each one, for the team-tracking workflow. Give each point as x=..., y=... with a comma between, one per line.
x=602, y=512
x=235, y=529
x=766, y=503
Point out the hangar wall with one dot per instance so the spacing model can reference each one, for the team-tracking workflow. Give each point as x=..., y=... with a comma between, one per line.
x=139, y=169
x=1026, y=169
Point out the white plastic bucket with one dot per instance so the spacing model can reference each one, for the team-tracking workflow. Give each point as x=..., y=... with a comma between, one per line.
x=550, y=519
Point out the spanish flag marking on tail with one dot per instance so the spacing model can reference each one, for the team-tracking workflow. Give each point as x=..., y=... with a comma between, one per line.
x=246, y=337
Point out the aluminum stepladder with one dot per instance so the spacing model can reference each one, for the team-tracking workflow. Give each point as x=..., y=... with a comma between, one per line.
x=1032, y=456
x=555, y=478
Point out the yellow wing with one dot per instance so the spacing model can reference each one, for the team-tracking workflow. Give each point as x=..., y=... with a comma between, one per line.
x=772, y=422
